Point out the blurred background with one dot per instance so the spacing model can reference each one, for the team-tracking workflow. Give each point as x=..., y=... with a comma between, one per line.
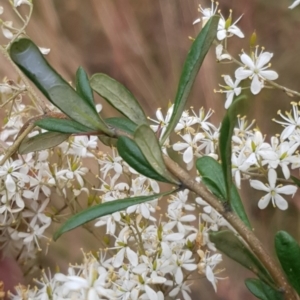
x=143, y=44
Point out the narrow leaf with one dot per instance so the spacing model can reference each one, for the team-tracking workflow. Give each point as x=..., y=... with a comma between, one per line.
x=226, y=132
x=213, y=178
x=83, y=87
x=228, y=243
x=62, y=125
x=119, y=97
x=108, y=141
x=210, y=168
x=104, y=209
x=213, y=187
x=133, y=155
x=42, y=141
x=26, y=55
x=263, y=291
x=148, y=143
x=288, y=253
x=122, y=124
x=190, y=70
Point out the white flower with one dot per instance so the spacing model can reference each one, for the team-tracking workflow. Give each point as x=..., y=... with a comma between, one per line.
x=231, y=89
x=239, y=164
x=297, y=2
x=255, y=69
x=273, y=192
x=207, y=266
x=190, y=146
x=125, y=250
x=183, y=261
x=292, y=121
x=219, y=53
x=162, y=121
x=108, y=163
x=12, y=171
x=1, y=10
x=207, y=13
x=82, y=144
x=225, y=32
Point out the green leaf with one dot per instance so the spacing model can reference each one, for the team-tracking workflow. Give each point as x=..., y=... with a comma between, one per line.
x=228, y=243
x=62, y=125
x=210, y=168
x=70, y=103
x=148, y=143
x=226, y=132
x=213, y=179
x=288, y=253
x=190, y=70
x=104, y=209
x=108, y=141
x=26, y=55
x=213, y=187
x=119, y=97
x=263, y=291
x=122, y=124
x=83, y=87
x=133, y=155
x=296, y=180
x=42, y=141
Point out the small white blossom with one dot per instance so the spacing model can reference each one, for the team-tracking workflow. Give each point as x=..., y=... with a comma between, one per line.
x=255, y=69
x=190, y=147
x=232, y=89
x=273, y=191
x=207, y=13
x=220, y=55
x=225, y=32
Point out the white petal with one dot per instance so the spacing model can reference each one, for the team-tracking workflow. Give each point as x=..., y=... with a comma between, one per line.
x=188, y=155
x=246, y=59
x=235, y=30
x=221, y=34
x=287, y=190
x=285, y=171
x=297, y=2
x=178, y=276
x=118, y=260
x=263, y=59
x=280, y=202
x=272, y=177
x=180, y=146
x=256, y=85
x=150, y=293
x=210, y=276
x=197, y=21
x=241, y=73
x=7, y=33
x=228, y=81
x=189, y=267
x=44, y=51
x=270, y=75
x=258, y=185
x=10, y=183
x=229, y=99
x=264, y=201
x=132, y=257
